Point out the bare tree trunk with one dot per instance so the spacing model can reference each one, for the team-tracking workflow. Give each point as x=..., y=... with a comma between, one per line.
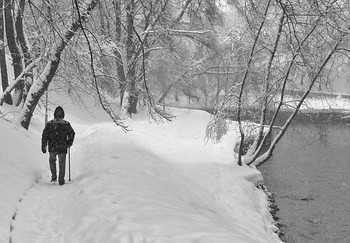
x=14, y=49
x=119, y=60
x=267, y=81
x=20, y=33
x=102, y=19
x=130, y=52
x=269, y=152
x=239, y=109
x=218, y=86
x=166, y=91
x=28, y=77
x=3, y=65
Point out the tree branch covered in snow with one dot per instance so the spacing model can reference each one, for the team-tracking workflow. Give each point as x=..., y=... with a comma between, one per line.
x=18, y=79
x=41, y=83
x=152, y=106
x=176, y=32
x=116, y=119
x=290, y=47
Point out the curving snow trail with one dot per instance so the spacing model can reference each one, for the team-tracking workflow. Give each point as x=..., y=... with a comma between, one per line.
x=157, y=184
x=40, y=215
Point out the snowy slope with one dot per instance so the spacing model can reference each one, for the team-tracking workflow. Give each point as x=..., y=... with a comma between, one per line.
x=158, y=183
x=21, y=167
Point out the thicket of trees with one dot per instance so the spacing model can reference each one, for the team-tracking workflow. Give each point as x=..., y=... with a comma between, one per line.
x=234, y=55
x=290, y=48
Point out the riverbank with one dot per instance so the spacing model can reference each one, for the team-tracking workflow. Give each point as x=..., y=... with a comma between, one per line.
x=158, y=182
x=308, y=172
x=311, y=115
x=308, y=175
x=273, y=209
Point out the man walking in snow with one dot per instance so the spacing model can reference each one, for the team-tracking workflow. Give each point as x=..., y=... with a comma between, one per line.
x=58, y=134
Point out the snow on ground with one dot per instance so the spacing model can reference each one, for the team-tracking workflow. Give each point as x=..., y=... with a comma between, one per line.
x=159, y=183
x=326, y=101
x=20, y=169
x=337, y=103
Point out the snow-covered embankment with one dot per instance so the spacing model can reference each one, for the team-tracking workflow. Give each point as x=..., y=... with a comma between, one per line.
x=157, y=183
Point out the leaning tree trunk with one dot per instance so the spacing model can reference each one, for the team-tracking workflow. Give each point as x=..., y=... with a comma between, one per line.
x=259, y=137
x=263, y=158
x=41, y=84
x=243, y=83
x=3, y=65
x=14, y=49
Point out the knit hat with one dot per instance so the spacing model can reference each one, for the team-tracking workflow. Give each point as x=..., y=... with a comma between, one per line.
x=59, y=112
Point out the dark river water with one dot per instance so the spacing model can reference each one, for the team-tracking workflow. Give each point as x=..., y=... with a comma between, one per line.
x=309, y=174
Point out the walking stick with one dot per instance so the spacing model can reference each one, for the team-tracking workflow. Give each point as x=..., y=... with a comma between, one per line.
x=69, y=162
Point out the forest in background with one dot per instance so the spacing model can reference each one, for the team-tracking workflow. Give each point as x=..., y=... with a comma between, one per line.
x=231, y=55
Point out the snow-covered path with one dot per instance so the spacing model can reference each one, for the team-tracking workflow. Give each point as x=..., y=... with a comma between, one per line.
x=40, y=216
x=157, y=184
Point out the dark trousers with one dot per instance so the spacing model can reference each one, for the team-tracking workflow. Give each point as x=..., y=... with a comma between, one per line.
x=61, y=163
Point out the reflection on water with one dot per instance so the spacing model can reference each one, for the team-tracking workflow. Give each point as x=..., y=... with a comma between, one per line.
x=310, y=175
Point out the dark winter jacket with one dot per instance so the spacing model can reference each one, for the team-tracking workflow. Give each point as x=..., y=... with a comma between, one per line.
x=58, y=134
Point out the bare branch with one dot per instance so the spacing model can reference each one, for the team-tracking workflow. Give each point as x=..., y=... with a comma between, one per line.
x=117, y=120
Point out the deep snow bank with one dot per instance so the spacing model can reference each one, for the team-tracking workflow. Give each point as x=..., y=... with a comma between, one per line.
x=20, y=166
x=158, y=183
